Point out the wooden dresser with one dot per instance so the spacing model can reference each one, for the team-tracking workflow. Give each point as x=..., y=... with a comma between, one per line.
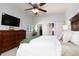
x=10, y=39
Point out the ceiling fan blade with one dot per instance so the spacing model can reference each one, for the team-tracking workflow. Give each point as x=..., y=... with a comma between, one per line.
x=42, y=9
x=28, y=9
x=41, y=4
x=30, y=4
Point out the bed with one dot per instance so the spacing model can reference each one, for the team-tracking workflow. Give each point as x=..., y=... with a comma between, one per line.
x=41, y=46
x=73, y=34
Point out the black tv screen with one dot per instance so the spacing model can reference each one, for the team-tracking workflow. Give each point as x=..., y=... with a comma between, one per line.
x=10, y=20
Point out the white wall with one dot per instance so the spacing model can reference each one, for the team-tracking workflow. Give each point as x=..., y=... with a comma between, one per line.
x=71, y=11
x=57, y=19
x=14, y=11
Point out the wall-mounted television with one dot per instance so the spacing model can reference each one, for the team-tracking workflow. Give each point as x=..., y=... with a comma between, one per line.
x=10, y=20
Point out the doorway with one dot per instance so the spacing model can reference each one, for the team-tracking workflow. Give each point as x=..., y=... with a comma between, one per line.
x=51, y=28
x=40, y=31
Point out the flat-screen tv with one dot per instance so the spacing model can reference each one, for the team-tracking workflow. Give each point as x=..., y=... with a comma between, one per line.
x=10, y=20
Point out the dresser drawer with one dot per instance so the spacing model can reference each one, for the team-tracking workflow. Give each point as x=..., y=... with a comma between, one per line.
x=10, y=39
x=7, y=44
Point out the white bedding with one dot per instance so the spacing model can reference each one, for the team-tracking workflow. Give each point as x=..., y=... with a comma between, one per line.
x=75, y=37
x=72, y=36
x=41, y=46
x=67, y=36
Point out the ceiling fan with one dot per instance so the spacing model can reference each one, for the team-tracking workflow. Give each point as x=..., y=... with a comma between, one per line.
x=36, y=7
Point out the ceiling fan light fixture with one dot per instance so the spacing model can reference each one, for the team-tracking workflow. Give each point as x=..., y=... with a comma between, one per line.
x=36, y=7
x=35, y=10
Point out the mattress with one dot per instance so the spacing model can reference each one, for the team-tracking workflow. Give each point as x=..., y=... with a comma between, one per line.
x=41, y=46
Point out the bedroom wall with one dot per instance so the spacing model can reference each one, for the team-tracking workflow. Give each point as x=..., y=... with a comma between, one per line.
x=71, y=11
x=57, y=19
x=25, y=19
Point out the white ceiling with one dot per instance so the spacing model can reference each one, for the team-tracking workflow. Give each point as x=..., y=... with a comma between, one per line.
x=50, y=7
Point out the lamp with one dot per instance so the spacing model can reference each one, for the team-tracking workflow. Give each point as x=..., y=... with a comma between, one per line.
x=65, y=27
x=53, y=29
x=68, y=22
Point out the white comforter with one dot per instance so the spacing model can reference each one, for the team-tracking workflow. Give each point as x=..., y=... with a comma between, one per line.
x=41, y=46
x=72, y=36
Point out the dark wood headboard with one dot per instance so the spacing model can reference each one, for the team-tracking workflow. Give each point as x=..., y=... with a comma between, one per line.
x=75, y=23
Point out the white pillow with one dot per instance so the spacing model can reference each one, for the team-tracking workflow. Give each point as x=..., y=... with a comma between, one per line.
x=67, y=36
x=75, y=37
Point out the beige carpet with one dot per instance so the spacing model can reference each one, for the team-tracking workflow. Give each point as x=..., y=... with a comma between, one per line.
x=11, y=52
x=68, y=49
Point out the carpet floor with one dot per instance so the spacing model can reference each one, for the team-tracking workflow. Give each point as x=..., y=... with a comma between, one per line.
x=70, y=49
